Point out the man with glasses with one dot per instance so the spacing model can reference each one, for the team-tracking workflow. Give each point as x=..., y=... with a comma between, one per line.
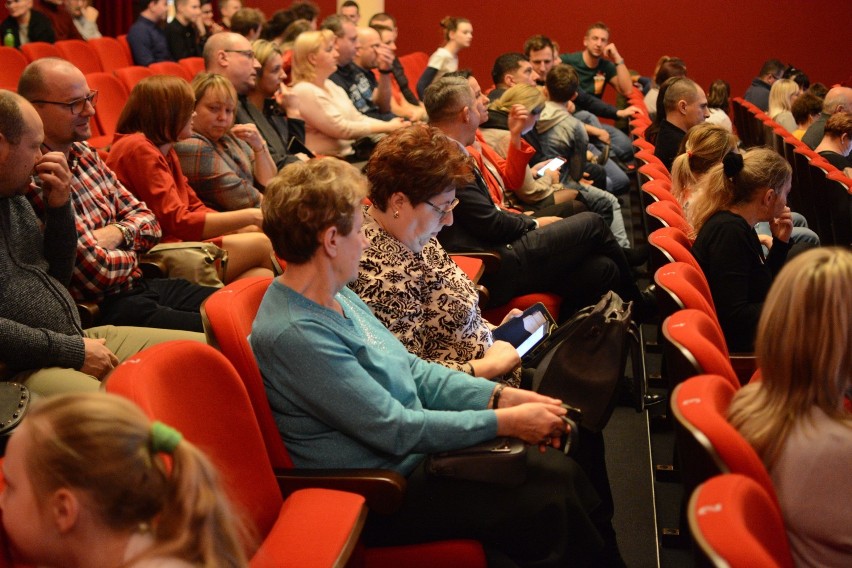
x=758, y=92
x=113, y=227
x=147, y=39
x=42, y=343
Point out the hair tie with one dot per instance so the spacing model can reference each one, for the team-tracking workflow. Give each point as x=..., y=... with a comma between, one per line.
x=689, y=155
x=732, y=164
x=164, y=438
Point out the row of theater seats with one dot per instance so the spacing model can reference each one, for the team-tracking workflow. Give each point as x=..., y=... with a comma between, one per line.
x=821, y=192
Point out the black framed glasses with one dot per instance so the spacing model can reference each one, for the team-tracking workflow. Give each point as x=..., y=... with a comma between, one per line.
x=443, y=212
x=77, y=105
x=247, y=52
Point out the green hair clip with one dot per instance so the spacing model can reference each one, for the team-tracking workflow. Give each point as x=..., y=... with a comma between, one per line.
x=164, y=438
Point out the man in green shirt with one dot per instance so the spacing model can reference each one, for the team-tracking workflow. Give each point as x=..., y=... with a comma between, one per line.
x=599, y=63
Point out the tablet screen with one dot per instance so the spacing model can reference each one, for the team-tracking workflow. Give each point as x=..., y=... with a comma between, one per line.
x=532, y=340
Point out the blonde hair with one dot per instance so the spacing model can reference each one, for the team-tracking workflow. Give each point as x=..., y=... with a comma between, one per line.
x=306, y=44
x=802, y=350
x=527, y=95
x=102, y=444
x=221, y=86
x=263, y=50
x=306, y=198
x=756, y=170
x=781, y=96
x=704, y=146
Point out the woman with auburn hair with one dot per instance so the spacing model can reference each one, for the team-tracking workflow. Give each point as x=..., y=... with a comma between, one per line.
x=157, y=115
x=227, y=164
x=797, y=417
x=91, y=481
x=458, y=35
x=333, y=124
x=738, y=193
x=782, y=95
x=836, y=143
x=346, y=393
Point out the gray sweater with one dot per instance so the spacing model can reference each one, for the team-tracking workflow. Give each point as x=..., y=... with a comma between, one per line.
x=39, y=323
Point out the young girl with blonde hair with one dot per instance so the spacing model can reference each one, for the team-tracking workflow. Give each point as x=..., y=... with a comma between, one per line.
x=91, y=482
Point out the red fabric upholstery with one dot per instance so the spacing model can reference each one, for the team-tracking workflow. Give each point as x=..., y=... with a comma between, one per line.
x=170, y=68
x=698, y=339
x=653, y=170
x=122, y=39
x=228, y=316
x=686, y=283
x=192, y=65
x=659, y=191
x=81, y=54
x=12, y=64
x=306, y=535
x=129, y=76
x=551, y=301
x=643, y=144
x=413, y=64
x=667, y=214
x=472, y=267
x=670, y=244
x=736, y=522
x=39, y=49
x=647, y=157
x=111, y=98
x=110, y=53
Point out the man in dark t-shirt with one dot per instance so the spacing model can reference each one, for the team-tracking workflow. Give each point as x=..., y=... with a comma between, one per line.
x=686, y=106
x=599, y=63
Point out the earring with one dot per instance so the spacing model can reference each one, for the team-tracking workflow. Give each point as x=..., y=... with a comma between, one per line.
x=396, y=214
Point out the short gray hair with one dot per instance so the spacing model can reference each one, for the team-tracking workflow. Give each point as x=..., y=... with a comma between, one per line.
x=445, y=97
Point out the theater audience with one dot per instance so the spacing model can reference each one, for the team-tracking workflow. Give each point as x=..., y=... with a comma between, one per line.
x=147, y=40
x=60, y=19
x=599, y=63
x=306, y=10
x=84, y=16
x=837, y=142
x=684, y=105
x=805, y=111
x=795, y=416
x=667, y=67
x=42, y=342
x=837, y=99
x=736, y=194
x=718, y=104
x=90, y=481
x=208, y=19
x=158, y=114
x=183, y=34
x=25, y=25
x=226, y=164
x=782, y=95
x=354, y=397
x=227, y=8
x=758, y=92
x=333, y=124
x=248, y=22
x=458, y=35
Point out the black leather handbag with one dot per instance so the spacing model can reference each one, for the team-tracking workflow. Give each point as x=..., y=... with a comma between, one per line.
x=14, y=403
x=584, y=360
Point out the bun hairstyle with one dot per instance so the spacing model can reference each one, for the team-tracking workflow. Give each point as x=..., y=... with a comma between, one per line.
x=735, y=181
x=451, y=24
x=105, y=446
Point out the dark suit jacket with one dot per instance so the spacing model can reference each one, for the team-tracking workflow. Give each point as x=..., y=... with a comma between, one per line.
x=40, y=28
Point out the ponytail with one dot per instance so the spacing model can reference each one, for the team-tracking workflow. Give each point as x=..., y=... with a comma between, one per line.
x=704, y=146
x=450, y=24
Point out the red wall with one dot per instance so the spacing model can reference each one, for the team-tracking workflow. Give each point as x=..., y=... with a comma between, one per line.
x=716, y=41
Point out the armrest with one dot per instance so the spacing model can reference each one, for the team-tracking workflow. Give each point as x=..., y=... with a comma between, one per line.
x=316, y=527
x=490, y=259
x=151, y=268
x=89, y=313
x=383, y=489
x=744, y=365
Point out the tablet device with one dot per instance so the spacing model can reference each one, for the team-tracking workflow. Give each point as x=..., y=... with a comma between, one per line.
x=528, y=330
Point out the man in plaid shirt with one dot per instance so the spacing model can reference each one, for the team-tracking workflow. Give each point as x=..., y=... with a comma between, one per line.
x=113, y=227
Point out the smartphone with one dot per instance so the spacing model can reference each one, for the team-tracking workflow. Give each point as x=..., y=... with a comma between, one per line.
x=553, y=164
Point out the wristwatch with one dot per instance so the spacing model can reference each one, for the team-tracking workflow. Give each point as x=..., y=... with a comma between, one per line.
x=125, y=232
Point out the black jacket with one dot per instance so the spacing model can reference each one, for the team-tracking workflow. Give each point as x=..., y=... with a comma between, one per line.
x=40, y=29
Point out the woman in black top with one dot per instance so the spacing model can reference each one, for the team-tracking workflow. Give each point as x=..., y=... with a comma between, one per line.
x=738, y=193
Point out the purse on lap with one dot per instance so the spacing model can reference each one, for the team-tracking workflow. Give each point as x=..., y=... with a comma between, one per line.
x=199, y=262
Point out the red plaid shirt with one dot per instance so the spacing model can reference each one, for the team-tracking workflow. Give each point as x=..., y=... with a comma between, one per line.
x=99, y=200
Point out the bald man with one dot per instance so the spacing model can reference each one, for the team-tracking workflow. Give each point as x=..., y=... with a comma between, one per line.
x=369, y=95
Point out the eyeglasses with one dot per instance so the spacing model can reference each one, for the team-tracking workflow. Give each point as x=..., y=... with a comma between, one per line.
x=247, y=52
x=77, y=105
x=443, y=212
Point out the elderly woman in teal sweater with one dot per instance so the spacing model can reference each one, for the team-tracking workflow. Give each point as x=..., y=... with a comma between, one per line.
x=346, y=393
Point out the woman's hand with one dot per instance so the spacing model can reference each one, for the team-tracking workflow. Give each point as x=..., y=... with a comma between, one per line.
x=498, y=360
x=782, y=226
x=514, y=397
x=513, y=313
x=534, y=423
x=251, y=135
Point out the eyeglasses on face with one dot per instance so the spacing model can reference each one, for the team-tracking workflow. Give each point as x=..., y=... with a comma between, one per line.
x=443, y=212
x=77, y=105
x=247, y=52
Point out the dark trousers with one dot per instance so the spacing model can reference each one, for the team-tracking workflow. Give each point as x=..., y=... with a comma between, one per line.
x=553, y=519
x=166, y=303
x=577, y=258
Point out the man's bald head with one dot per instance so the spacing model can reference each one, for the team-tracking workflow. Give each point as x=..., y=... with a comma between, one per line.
x=34, y=82
x=220, y=42
x=838, y=99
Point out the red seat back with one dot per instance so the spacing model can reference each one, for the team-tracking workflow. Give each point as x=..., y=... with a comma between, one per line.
x=170, y=68
x=111, y=98
x=667, y=214
x=110, y=53
x=670, y=244
x=125, y=46
x=735, y=521
x=695, y=345
x=81, y=54
x=12, y=64
x=193, y=387
x=414, y=64
x=130, y=76
x=192, y=65
x=39, y=49
x=228, y=316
